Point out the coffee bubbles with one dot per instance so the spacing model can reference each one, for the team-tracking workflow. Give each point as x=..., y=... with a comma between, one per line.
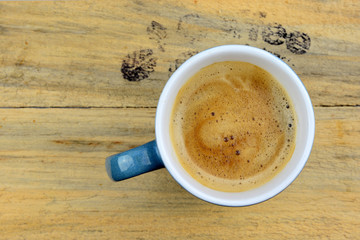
x=233, y=126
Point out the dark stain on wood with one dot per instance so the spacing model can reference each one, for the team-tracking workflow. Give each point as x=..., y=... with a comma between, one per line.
x=138, y=65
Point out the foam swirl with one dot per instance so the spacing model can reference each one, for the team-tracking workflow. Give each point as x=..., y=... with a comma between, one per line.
x=230, y=126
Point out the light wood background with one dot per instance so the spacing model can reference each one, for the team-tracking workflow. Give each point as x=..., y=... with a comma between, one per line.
x=65, y=105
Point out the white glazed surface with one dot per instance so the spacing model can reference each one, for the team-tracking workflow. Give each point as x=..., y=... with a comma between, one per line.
x=289, y=80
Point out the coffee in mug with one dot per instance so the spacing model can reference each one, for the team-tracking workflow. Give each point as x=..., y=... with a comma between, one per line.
x=233, y=126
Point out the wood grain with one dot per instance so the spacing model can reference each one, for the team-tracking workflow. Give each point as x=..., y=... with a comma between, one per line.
x=65, y=105
x=71, y=53
x=53, y=183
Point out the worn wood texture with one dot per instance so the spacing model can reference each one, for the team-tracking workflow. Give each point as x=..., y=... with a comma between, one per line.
x=80, y=80
x=71, y=53
x=54, y=185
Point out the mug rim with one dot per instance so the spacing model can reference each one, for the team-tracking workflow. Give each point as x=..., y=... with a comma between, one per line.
x=176, y=81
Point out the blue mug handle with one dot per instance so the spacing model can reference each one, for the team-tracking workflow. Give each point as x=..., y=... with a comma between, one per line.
x=133, y=162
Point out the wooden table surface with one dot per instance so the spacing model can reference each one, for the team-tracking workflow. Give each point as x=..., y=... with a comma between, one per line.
x=80, y=80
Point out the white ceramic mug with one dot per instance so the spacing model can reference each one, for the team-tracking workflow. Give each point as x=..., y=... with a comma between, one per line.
x=161, y=153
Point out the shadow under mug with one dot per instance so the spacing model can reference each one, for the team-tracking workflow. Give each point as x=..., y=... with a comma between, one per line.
x=160, y=152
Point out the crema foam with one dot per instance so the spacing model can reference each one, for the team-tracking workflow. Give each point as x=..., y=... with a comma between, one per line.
x=233, y=126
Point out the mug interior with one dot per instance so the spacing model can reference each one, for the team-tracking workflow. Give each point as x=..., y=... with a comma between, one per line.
x=296, y=91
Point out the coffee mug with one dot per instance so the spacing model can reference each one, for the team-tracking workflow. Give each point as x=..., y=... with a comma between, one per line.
x=160, y=152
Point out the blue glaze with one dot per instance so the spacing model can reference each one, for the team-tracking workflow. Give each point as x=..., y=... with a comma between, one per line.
x=133, y=162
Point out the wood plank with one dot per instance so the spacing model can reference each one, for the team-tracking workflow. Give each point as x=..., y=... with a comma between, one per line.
x=71, y=53
x=65, y=104
x=54, y=184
